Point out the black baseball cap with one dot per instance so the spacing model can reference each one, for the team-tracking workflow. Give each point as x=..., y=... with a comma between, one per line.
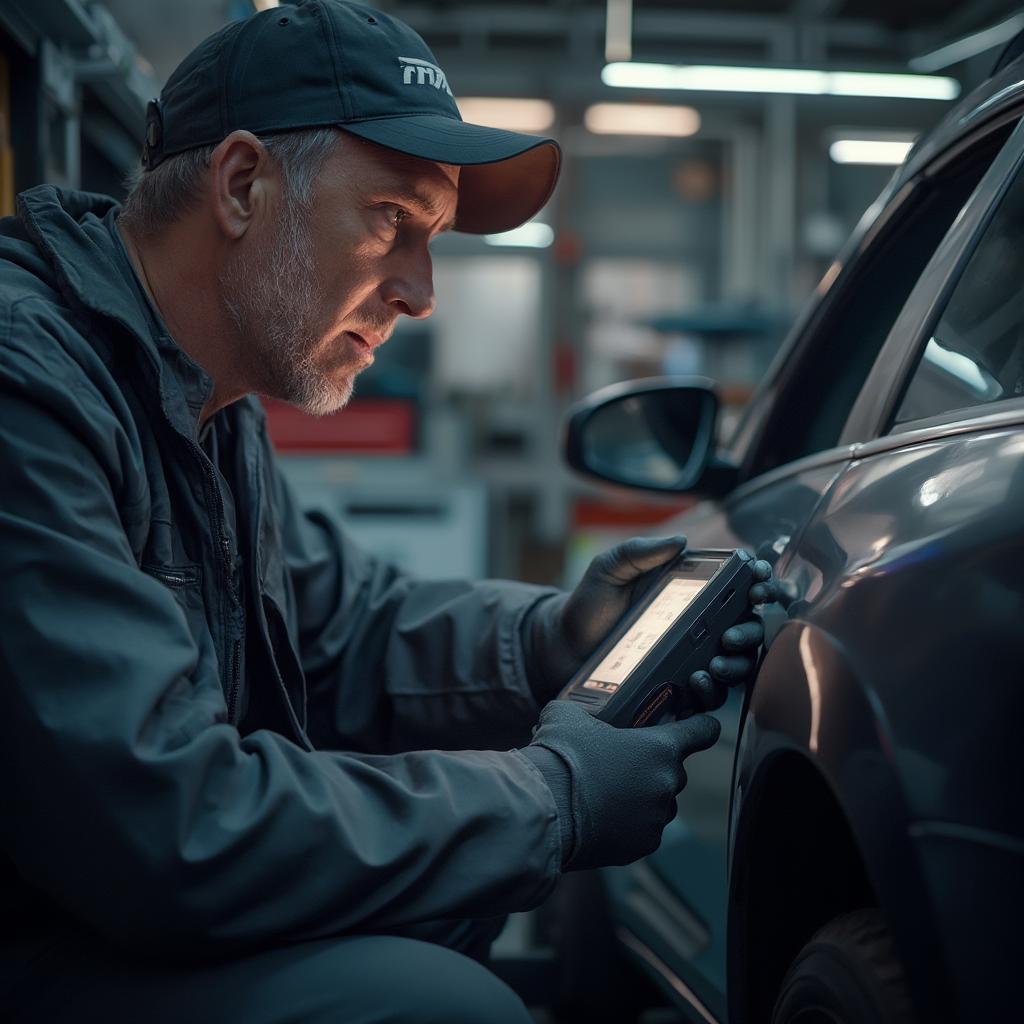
x=325, y=62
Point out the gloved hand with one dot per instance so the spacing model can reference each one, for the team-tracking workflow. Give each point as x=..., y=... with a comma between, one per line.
x=708, y=690
x=563, y=630
x=615, y=788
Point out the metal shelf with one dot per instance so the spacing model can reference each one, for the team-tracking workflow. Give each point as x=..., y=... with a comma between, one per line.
x=62, y=48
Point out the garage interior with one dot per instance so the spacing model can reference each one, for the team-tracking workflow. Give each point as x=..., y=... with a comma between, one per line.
x=693, y=220
x=685, y=251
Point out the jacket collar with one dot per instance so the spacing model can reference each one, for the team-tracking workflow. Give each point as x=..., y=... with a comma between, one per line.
x=77, y=235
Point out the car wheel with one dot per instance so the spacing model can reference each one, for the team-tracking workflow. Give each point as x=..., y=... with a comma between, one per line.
x=848, y=973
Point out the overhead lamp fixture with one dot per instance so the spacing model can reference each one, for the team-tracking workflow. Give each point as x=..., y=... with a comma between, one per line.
x=515, y=115
x=969, y=46
x=792, y=81
x=641, y=119
x=880, y=152
x=264, y=5
x=532, y=235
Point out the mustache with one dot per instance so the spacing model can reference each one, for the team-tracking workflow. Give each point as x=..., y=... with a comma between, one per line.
x=377, y=323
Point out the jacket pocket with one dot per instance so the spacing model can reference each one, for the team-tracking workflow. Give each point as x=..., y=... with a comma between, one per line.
x=183, y=581
x=177, y=577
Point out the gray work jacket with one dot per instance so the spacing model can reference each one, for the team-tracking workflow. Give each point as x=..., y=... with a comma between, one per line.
x=369, y=784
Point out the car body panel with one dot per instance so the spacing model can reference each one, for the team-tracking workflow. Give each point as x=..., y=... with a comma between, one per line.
x=926, y=541
x=977, y=882
x=922, y=541
x=895, y=676
x=684, y=925
x=808, y=703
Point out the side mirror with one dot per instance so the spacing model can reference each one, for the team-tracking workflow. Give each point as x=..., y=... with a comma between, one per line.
x=656, y=435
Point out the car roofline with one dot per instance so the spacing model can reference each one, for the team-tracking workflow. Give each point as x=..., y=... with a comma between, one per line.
x=997, y=97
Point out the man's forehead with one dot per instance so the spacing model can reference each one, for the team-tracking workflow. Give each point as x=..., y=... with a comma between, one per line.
x=433, y=183
x=433, y=186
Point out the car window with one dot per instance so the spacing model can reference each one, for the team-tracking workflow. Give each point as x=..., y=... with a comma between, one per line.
x=831, y=366
x=975, y=354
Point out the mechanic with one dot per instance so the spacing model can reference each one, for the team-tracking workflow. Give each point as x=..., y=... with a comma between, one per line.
x=255, y=774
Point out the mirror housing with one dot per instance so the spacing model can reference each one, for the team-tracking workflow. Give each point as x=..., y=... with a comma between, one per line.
x=656, y=434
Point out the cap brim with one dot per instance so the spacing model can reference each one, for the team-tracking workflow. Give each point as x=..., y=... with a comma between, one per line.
x=506, y=177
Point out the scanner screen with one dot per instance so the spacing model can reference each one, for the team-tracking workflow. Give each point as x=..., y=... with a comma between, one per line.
x=641, y=638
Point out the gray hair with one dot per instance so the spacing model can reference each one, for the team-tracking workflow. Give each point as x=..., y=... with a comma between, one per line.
x=158, y=197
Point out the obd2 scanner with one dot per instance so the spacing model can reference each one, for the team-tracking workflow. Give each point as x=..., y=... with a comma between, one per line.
x=638, y=675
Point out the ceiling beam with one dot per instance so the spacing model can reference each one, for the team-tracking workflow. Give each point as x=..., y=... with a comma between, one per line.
x=815, y=9
x=648, y=25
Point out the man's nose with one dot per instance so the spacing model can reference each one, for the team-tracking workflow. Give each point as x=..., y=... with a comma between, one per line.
x=410, y=289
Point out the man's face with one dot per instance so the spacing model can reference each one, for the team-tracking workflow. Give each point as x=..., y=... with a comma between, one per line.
x=316, y=289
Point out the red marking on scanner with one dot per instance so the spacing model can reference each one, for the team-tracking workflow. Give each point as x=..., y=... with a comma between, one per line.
x=655, y=704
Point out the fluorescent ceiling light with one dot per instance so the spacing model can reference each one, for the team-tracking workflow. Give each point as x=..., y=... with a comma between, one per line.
x=882, y=152
x=711, y=78
x=532, y=235
x=516, y=115
x=641, y=119
x=798, y=81
x=969, y=46
x=911, y=87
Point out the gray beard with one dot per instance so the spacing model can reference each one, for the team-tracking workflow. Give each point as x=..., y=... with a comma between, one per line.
x=273, y=299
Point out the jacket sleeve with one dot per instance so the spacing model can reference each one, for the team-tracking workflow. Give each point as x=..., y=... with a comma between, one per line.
x=395, y=663
x=133, y=803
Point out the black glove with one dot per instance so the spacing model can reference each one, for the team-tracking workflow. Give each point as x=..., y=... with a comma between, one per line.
x=708, y=690
x=563, y=630
x=615, y=788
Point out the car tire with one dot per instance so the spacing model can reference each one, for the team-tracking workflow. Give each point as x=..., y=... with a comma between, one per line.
x=849, y=973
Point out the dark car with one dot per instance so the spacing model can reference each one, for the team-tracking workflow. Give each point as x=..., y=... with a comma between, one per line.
x=853, y=848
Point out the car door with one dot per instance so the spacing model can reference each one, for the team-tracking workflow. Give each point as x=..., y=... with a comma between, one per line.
x=924, y=530
x=670, y=909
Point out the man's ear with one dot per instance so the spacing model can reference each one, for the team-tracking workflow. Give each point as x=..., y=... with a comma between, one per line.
x=240, y=183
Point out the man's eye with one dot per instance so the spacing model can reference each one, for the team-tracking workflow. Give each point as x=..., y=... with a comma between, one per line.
x=395, y=215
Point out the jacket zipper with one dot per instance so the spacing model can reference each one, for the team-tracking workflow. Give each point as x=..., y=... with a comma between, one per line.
x=213, y=490
x=233, y=690
x=234, y=682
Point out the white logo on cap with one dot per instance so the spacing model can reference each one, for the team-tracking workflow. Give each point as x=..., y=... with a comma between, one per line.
x=425, y=73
